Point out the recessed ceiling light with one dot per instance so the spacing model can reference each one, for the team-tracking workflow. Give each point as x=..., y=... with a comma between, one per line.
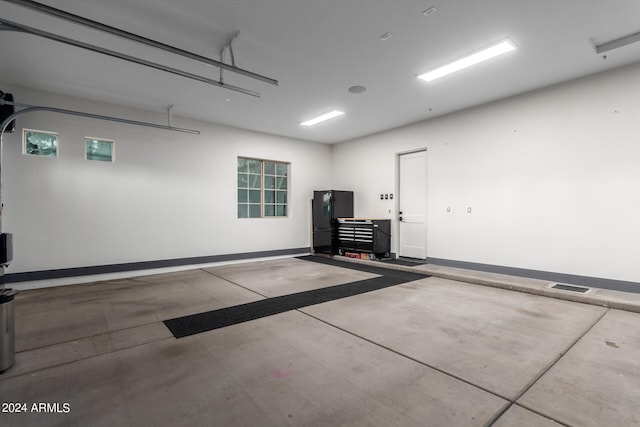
x=475, y=58
x=322, y=118
x=357, y=89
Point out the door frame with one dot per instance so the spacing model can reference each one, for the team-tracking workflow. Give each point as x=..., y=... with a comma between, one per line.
x=396, y=228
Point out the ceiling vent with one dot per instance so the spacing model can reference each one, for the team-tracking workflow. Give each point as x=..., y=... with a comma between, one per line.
x=570, y=288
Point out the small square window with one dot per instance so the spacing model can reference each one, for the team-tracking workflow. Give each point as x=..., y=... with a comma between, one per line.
x=281, y=169
x=269, y=182
x=269, y=168
x=254, y=196
x=281, y=183
x=99, y=149
x=254, y=181
x=243, y=165
x=269, y=210
x=254, y=211
x=39, y=143
x=269, y=196
x=254, y=166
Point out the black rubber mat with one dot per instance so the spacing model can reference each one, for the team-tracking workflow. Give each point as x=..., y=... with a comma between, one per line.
x=210, y=320
x=376, y=268
x=404, y=262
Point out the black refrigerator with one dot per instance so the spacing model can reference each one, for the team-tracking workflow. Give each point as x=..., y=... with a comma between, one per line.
x=328, y=206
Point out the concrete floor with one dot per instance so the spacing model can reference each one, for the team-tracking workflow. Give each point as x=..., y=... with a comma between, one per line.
x=432, y=352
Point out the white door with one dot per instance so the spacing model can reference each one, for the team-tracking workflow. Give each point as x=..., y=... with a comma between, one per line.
x=412, y=203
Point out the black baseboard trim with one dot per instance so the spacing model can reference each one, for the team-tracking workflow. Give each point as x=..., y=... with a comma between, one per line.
x=143, y=265
x=591, y=282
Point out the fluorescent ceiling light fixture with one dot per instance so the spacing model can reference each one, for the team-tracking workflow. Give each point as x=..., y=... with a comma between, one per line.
x=473, y=59
x=322, y=118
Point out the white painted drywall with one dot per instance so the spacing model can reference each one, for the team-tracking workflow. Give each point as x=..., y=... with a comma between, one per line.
x=168, y=195
x=552, y=177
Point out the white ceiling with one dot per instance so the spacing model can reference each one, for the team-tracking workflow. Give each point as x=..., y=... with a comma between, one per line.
x=317, y=50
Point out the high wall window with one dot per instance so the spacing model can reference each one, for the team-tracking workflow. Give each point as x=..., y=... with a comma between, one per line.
x=99, y=149
x=39, y=143
x=262, y=188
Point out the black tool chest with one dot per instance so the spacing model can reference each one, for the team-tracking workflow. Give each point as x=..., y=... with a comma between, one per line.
x=364, y=235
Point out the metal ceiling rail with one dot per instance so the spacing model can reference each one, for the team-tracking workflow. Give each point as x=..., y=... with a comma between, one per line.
x=14, y=26
x=140, y=39
x=620, y=42
x=32, y=108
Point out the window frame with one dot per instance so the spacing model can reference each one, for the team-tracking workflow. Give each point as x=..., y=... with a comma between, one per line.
x=46, y=132
x=263, y=189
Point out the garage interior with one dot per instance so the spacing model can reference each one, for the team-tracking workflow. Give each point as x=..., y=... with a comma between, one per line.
x=173, y=251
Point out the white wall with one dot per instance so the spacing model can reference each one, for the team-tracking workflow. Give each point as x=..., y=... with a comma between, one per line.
x=168, y=195
x=553, y=178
